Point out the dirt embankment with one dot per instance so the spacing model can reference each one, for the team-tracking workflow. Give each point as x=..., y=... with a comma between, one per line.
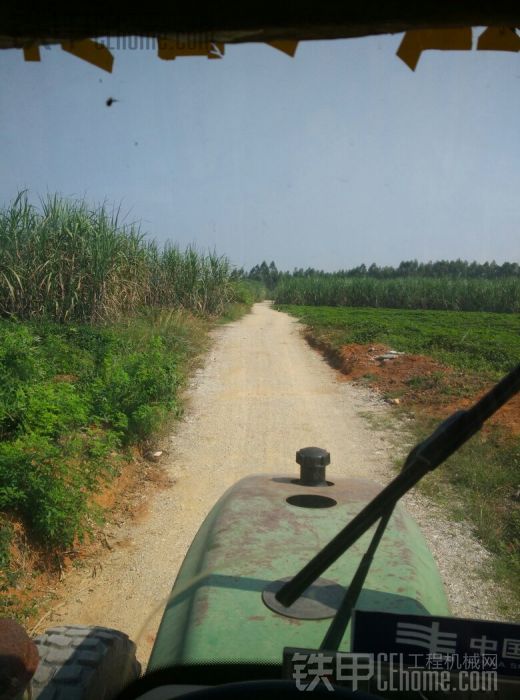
x=261, y=395
x=416, y=381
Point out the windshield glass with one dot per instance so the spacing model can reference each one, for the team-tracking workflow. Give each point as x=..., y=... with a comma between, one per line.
x=214, y=255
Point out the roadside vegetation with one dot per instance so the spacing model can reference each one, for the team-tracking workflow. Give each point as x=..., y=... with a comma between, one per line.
x=99, y=328
x=245, y=294
x=67, y=261
x=450, y=358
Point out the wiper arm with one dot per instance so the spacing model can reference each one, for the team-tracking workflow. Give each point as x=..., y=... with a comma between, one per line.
x=337, y=628
x=424, y=457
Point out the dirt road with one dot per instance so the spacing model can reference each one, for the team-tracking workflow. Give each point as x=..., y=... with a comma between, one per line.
x=261, y=395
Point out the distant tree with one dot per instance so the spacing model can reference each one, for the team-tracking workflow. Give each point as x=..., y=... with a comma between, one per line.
x=509, y=269
x=407, y=268
x=270, y=275
x=273, y=275
x=267, y=274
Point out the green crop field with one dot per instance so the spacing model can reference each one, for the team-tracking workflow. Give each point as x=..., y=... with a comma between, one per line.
x=478, y=341
x=447, y=293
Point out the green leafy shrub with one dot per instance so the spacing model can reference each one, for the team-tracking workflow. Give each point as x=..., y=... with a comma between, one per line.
x=35, y=483
x=147, y=420
x=53, y=408
x=129, y=383
x=20, y=366
x=70, y=397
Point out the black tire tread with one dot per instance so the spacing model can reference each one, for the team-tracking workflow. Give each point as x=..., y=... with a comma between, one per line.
x=83, y=663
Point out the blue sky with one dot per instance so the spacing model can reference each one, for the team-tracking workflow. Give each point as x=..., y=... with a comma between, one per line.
x=338, y=156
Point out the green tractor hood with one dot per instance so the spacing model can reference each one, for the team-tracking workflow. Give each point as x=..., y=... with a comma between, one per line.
x=254, y=536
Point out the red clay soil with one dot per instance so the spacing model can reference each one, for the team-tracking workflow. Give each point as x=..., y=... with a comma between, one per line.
x=417, y=381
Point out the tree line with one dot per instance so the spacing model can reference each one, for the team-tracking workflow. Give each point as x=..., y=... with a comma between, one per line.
x=270, y=275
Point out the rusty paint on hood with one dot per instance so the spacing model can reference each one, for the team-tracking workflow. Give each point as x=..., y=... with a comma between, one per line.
x=253, y=536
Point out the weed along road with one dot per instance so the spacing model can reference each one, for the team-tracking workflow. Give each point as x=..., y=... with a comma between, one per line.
x=261, y=394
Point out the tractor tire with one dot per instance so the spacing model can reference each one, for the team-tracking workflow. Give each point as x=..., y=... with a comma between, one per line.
x=83, y=663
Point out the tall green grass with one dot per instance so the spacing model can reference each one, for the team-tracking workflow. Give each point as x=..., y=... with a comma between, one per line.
x=501, y=295
x=68, y=261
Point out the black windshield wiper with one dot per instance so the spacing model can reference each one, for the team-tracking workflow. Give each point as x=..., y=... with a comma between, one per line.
x=423, y=458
